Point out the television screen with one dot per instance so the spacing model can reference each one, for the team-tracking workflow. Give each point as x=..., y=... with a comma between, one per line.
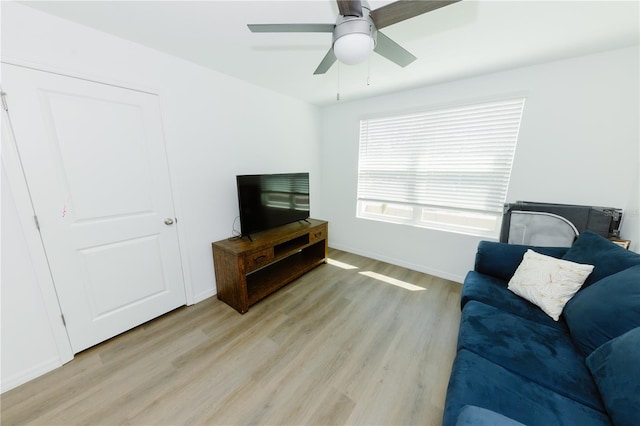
x=267, y=201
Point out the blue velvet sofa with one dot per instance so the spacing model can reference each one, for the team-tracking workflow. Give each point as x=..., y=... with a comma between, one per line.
x=516, y=365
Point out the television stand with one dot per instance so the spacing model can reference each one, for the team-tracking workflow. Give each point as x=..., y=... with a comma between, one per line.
x=248, y=271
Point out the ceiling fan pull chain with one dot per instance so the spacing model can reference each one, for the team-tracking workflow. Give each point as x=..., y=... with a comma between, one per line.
x=369, y=71
x=338, y=91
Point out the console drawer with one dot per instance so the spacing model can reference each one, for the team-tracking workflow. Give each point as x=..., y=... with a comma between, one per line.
x=316, y=234
x=258, y=259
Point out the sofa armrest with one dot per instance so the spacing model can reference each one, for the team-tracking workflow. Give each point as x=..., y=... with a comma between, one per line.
x=501, y=260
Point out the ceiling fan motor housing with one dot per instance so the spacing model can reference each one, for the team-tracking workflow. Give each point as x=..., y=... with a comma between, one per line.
x=359, y=26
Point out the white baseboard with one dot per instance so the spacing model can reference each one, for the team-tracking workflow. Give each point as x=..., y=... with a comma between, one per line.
x=29, y=374
x=400, y=262
x=204, y=295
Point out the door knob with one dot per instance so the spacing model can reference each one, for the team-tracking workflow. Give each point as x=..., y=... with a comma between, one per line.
x=168, y=221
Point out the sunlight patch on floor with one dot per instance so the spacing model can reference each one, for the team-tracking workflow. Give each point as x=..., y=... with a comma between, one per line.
x=340, y=264
x=392, y=281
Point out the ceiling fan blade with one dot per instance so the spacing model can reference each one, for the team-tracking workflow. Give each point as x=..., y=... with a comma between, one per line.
x=291, y=28
x=350, y=7
x=393, y=51
x=404, y=9
x=326, y=63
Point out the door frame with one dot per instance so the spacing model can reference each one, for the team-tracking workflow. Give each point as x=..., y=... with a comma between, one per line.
x=20, y=190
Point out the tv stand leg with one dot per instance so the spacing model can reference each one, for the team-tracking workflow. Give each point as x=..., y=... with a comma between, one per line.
x=307, y=221
x=249, y=237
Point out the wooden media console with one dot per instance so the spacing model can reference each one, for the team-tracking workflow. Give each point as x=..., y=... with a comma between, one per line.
x=250, y=270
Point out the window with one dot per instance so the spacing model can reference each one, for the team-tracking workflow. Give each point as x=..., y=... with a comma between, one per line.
x=447, y=169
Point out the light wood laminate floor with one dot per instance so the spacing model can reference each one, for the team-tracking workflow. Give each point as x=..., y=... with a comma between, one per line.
x=355, y=341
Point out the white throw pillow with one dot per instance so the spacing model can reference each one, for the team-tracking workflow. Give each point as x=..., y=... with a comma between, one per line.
x=548, y=282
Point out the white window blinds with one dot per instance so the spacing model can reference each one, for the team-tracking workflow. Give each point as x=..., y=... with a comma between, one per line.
x=454, y=159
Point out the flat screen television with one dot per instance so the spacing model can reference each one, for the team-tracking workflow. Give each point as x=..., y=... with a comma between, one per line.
x=268, y=201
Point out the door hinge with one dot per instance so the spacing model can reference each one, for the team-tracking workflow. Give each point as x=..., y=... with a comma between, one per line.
x=3, y=95
x=63, y=320
x=35, y=218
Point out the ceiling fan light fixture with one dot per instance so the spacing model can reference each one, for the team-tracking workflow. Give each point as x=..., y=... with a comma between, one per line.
x=355, y=33
x=353, y=48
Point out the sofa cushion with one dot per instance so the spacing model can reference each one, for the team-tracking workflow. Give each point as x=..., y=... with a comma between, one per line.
x=493, y=291
x=616, y=369
x=477, y=381
x=607, y=257
x=541, y=354
x=501, y=260
x=548, y=282
x=605, y=310
x=470, y=415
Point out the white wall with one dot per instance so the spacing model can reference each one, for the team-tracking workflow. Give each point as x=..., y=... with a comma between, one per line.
x=215, y=126
x=578, y=144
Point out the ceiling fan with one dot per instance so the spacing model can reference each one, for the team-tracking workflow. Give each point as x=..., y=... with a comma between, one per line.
x=356, y=31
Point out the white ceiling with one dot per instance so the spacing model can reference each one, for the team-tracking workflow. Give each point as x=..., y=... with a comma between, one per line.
x=461, y=40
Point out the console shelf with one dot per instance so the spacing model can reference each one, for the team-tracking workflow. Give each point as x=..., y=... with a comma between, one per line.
x=248, y=271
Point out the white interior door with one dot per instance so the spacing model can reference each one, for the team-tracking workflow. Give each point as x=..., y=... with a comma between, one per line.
x=95, y=162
